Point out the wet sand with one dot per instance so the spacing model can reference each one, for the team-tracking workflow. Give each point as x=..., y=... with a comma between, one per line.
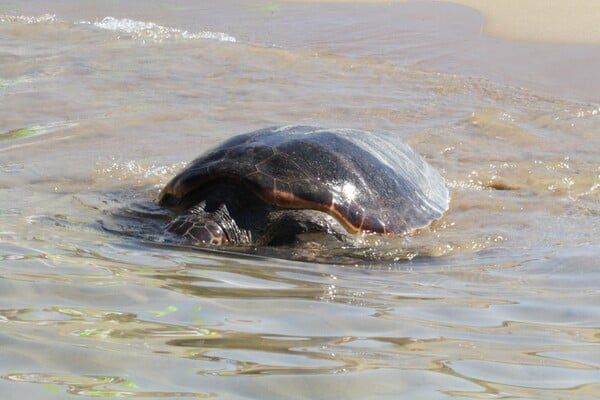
x=548, y=21
x=530, y=43
x=553, y=21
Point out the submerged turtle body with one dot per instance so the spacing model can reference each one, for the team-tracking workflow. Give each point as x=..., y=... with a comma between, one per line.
x=267, y=186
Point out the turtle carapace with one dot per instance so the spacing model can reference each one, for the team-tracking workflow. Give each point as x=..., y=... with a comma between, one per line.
x=268, y=186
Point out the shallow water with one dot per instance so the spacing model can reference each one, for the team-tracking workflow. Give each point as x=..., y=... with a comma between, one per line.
x=100, y=106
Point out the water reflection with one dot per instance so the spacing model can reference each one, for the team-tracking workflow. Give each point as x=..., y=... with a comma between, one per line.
x=498, y=299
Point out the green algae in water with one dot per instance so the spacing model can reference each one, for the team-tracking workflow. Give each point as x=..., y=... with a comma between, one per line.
x=35, y=130
x=168, y=310
x=22, y=133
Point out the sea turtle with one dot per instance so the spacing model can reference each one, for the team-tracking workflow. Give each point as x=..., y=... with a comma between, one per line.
x=268, y=186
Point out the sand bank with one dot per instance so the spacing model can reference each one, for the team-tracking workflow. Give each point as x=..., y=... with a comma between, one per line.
x=555, y=21
x=551, y=21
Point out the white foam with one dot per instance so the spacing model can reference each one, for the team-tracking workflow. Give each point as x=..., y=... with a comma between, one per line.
x=154, y=32
x=23, y=19
x=138, y=29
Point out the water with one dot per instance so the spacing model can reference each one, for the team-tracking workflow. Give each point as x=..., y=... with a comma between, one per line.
x=100, y=106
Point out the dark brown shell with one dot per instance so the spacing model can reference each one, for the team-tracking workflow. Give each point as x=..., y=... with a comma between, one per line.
x=371, y=182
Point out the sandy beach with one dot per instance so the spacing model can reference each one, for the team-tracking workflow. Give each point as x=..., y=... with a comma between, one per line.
x=550, y=21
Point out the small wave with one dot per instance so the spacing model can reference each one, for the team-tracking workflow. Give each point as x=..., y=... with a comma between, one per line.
x=154, y=32
x=23, y=19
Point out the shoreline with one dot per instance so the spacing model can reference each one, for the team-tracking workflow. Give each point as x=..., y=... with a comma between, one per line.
x=541, y=21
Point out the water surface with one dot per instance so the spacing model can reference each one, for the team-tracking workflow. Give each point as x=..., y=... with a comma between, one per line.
x=101, y=105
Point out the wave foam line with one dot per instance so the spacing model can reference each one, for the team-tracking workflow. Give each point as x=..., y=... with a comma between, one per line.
x=155, y=32
x=24, y=19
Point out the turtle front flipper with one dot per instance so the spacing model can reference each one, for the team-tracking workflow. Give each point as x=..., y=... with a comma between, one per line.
x=199, y=226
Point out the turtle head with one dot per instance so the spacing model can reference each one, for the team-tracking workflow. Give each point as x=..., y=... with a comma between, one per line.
x=199, y=226
x=233, y=213
x=261, y=225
